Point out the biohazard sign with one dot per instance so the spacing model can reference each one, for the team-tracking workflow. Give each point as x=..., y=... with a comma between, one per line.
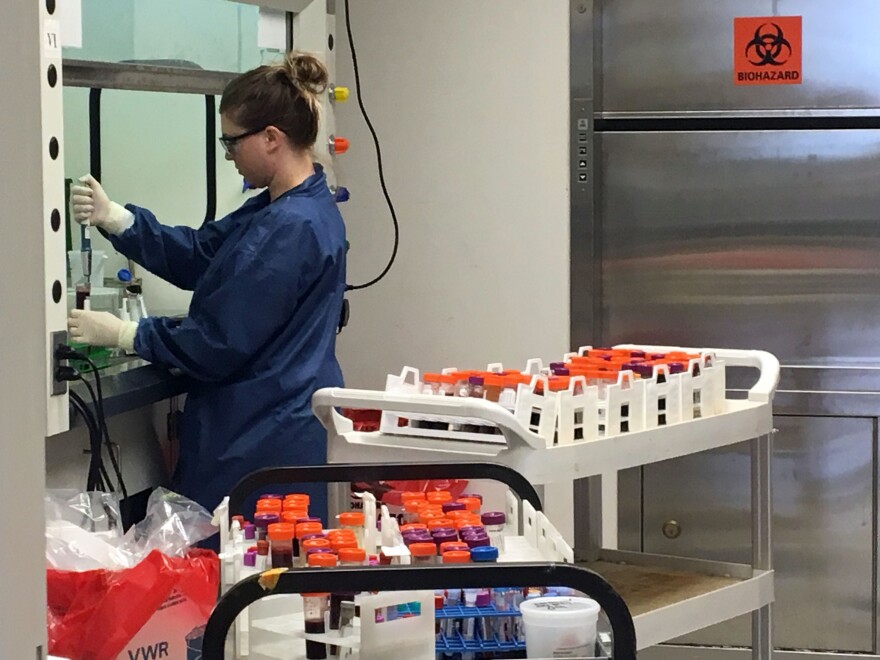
x=767, y=51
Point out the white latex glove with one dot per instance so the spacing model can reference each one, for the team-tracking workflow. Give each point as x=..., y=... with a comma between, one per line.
x=91, y=206
x=101, y=329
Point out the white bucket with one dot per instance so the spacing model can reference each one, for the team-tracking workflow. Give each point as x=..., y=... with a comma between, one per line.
x=560, y=627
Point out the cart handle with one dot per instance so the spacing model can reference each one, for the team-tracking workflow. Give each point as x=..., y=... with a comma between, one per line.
x=326, y=401
x=766, y=363
x=351, y=472
x=405, y=578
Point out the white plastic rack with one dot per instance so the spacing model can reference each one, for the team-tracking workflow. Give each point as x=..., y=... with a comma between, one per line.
x=270, y=628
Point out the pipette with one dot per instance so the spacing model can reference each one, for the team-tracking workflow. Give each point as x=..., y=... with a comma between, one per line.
x=84, y=288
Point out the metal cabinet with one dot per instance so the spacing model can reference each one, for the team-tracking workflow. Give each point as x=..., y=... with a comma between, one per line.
x=743, y=239
x=744, y=216
x=675, y=56
x=824, y=527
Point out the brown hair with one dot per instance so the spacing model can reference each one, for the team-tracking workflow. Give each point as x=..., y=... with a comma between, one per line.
x=284, y=95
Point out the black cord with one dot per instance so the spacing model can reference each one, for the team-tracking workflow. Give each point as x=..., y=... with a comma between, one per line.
x=102, y=420
x=95, y=480
x=357, y=86
x=64, y=352
x=98, y=478
x=101, y=427
x=210, y=159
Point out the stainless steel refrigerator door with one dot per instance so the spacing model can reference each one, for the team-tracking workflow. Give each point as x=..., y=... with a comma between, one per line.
x=823, y=528
x=760, y=240
x=677, y=56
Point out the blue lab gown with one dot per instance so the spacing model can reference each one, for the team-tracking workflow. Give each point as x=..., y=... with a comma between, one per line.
x=260, y=336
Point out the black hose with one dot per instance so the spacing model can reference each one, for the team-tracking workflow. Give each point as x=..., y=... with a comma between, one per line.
x=102, y=425
x=95, y=477
x=210, y=159
x=95, y=133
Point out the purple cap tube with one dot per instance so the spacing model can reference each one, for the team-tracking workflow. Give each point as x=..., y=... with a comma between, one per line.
x=263, y=520
x=493, y=518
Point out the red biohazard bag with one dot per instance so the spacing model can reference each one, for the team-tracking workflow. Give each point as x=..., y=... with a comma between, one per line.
x=366, y=421
x=155, y=609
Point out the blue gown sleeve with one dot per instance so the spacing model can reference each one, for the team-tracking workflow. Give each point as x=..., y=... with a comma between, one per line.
x=178, y=255
x=260, y=289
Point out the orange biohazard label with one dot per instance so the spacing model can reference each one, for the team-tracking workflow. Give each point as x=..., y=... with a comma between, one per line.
x=767, y=51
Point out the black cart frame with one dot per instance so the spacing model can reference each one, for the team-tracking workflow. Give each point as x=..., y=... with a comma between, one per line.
x=407, y=578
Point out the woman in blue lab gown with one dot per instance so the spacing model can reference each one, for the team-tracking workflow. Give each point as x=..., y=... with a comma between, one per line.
x=267, y=281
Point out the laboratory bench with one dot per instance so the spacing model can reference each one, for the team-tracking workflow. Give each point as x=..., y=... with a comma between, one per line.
x=129, y=383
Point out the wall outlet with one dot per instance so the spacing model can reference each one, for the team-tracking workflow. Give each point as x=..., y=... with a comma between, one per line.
x=57, y=339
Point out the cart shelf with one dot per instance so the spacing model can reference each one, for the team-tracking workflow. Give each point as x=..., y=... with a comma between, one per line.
x=670, y=596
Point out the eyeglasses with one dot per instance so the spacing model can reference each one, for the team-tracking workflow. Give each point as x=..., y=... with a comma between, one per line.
x=229, y=142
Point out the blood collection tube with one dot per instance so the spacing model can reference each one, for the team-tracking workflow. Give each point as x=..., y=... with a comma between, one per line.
x=452, y=545
x=281, y=544
x=440, y=523
x=315, y=606
x=262, y=522
x=303, y=529
x=443, y=536
x=308, y=544
x=352, y=556
x=338, y=543
x=411, y=509
x=269, y=506
x=423, y=554
x=438, y=497
x=453, y=506
x=262, y=555
x=297, y=501
x=484, y=554
x=472, y=504
x=476, y=541
x=494, y=522
x=354, y=521
x=457, y=557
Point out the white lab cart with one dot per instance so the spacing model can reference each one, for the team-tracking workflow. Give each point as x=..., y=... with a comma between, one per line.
x=668, y=596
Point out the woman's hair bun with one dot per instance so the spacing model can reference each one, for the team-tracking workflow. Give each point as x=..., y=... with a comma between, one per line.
x=306, y=72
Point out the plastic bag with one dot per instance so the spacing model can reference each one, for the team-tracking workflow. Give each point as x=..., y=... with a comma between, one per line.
x=94, y=512
x=82, y=529
x=93, y=615
x=107, y=589
x=172, y=525
x=84, y=532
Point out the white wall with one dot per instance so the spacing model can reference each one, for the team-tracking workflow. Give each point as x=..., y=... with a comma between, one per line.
x=470, y=101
